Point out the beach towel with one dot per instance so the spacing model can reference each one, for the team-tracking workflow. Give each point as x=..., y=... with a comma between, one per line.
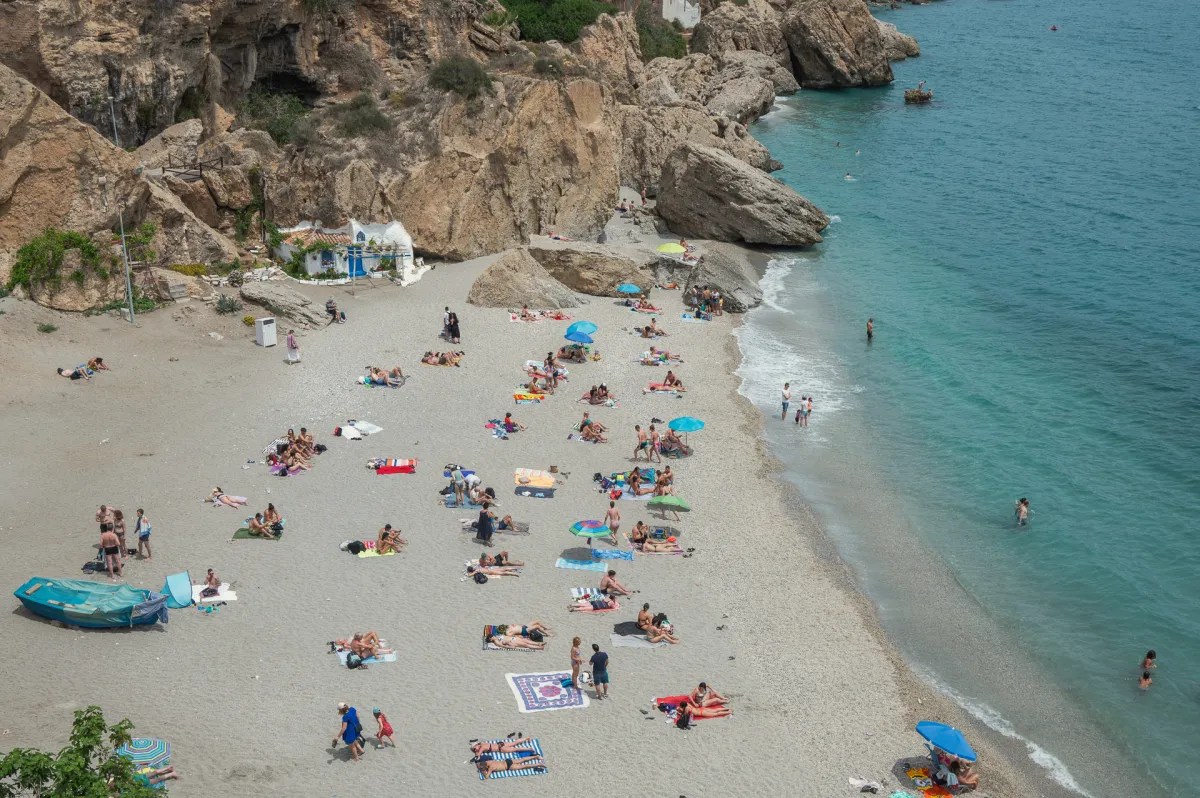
x=578, y=593
x=634, y=641
x=367, y=381
x=345, y=652
x=520, y=527
x=536, y=748
x=580, y=565
x=466, y=472
x=607, y=554
x=539, y=315
x=475, y=564
x=448, y=501
x=223, y=594
x=534, y=493
x=533, y=478
x=491, y=629
x=275, y=469
x=244, y=534
x=632, y=309
x=178, y=590
x=273, y=446
x=925, y=784
x=658, y=387
x=370, y=551
x=688, y=317
x=527, y=398
x=242, y=499
x=365, y=427
x=352, y=434
x=638, y=548
x=397, y=466
x=673, y=701
x=542, y=692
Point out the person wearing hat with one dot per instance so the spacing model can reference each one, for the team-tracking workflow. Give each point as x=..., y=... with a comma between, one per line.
x=384, y=730
x=351, y=731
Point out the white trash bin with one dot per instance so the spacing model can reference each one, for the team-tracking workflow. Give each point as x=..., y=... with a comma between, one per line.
x=264, y=332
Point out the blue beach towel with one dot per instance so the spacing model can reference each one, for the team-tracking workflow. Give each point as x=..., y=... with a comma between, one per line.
x=369, y=660
x=508, y=774
x=580, y=565
x=603, y=554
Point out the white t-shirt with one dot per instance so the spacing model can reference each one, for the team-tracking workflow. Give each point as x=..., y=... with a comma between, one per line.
x=787, y=395
x=472, y=480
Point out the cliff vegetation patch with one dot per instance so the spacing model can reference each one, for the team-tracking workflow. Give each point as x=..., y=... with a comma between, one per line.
x=461, y=75
x=284, y=117
x=659, y=38
x=39, y=261
x=559, y=20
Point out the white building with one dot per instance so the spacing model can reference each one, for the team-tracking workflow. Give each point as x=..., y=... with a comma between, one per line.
x=687, y=12
x=354, y=250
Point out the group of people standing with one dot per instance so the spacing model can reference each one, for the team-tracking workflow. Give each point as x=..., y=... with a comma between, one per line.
x=450, y=329
x=803, y=409
x=112, y=538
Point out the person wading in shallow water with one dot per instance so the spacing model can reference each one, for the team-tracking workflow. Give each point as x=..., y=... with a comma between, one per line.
x=870, y=329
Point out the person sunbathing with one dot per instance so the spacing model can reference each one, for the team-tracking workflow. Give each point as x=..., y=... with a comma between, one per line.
x=593, y=396
x=603, y=394
x=513, y=641
x=510, y=746
x=672, y=443
x=523, y=629
x=637, y=484
x=526, y=315
x=573, y=353
x=389, y=540
x=967, y=777
x=687, y=712
x=258, y=528
x=705, y=696
x=271, y=515
x=671, y=381
x=663, y=354
x=511, y=424
x=661, y=486
x=593, y=604
x=588, y=421
x=97, y=364
x=651, y=546
x=653, y=631
x=505, y=523
x=487, y=767
x=501, y=559
x=442, y=358
x=79, y=372
x=396, y=374
x=655, y=329
x=645, y=332
x=218, y=497
x=365, y=645
x=591, y=432
x=644, y=305
x=493, y=570
x=295, y=460
x=610, y=586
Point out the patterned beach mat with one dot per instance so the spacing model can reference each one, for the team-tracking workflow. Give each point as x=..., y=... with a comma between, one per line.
x=542, y=692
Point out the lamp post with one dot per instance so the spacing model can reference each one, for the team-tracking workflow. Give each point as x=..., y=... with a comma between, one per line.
x=125, y=255
x=113, y=112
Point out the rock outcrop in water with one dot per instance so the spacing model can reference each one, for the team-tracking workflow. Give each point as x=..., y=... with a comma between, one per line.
x=835, y=44
x=897, y=45
x=708, y=194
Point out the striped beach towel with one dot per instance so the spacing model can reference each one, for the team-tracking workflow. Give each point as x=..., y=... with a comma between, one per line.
x=580, y=565
x=508, y=774
x=394, y=465
x=589, y=593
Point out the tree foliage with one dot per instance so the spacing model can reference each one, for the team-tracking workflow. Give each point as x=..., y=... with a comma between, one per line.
x=659, y=38
x=559, y=20
x=82, y=769
x=283, y=116
x=39, y=261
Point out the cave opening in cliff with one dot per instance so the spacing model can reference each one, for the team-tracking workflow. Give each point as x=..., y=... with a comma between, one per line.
x=288, y=83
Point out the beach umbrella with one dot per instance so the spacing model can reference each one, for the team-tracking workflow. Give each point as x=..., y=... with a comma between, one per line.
x=671, y=248
x=590, y=529
x=147, y=752
x=578, y=337
x=947, y=738
x=629, y=288
x=585, y=327
x=665, y=503
x=686, y=424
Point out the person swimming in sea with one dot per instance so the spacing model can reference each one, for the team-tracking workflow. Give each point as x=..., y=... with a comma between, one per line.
x=1145, y=680
x=870, y=329
x=1022, y=511
x=848, y=177
x=1149, y=661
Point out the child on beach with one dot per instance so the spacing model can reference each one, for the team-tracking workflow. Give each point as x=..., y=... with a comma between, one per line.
x=385, y=729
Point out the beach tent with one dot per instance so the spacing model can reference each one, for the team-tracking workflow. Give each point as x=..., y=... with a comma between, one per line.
x=178, y=590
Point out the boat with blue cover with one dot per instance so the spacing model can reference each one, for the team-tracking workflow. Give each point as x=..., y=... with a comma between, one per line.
x=92, y=605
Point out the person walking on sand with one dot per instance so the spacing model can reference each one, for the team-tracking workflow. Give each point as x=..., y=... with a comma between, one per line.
x=142, y=527
x=111, y=546
x=643, y=443
x=104, y=515
x=870, y=329
x=613, y=519
x=384, y=730
x=293, y=349
x=576, y=662
x=599, y=663
x=351, y=730
x=787, y=399
x=655, y=441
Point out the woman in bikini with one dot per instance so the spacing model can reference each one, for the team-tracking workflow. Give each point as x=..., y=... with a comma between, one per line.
x=653, y=632
x=258, y=528
x=687, y=712
x=705, y=696
x=641, y=538
x=119, y=529
x=514, y=641
x=389, y=540
x=593, y=604
x=493, y=570
x=576, y=662
x=218, y=497
x=505, y=747
x=489, y=766
x=591, y=431
x=272, y=516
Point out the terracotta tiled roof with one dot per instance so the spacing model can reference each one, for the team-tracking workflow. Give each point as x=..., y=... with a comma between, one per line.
x=310, y=236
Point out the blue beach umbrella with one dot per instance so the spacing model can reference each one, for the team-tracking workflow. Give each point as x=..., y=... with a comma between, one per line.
x=578, y=337
x=629, y=288
x=585, y=327
x=686, y=424
x=947, y=738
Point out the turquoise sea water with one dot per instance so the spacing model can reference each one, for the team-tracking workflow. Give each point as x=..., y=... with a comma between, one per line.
x=1028, y=247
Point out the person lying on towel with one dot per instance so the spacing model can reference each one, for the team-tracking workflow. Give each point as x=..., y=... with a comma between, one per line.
x=511, y=746
x=653, y=628
x=641, y=537
x=364, y=644
x=77, y=373
x=513, y=641
x=501, y=559
x=525, y=629
x=672, y=443
x=671, y=381
x=593, y=604
x=487, y=766
x=573, y=353
x=442, y=358
x=493, y=570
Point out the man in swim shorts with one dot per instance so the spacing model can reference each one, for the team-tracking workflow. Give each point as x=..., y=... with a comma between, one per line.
x=110, y=544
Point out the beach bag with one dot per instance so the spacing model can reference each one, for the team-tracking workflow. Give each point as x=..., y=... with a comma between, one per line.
x=356, y=547
x=209, y=592
x=480, y=578
x=277, y=527
x=535, y=636
x=681, y=721
x=354, y=661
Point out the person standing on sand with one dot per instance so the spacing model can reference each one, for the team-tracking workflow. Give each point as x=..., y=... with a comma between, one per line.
x=787, y=399
x=613, y=519
x=643, y=195
x=119, y=528
x=111, y=546
x=104, y=515
x=142, y=527
x=655, y=440
x=576, y=662
x=870, y=329
x=385, y=729
x=350, y=731
x=599, y=663
x=293, y=349
x=643, y=443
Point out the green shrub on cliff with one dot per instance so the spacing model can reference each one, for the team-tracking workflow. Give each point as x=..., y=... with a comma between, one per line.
x=461, y=75
x=560, y=20
x=361, y=117
x=282, y=116
x=39, y=261
x=659, y=38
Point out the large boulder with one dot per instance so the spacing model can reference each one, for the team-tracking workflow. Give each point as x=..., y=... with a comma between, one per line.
x=517, y=279
x=729, y=272
x=897, y=45
x=751, y=27
x=835, y=44
x=176, y=146
x=591, y=270
x=229, y=186
x=285, y=302
x=77, y=295
x=196, y=197
x=612, y=54
x=707, y=193
x=751, y=60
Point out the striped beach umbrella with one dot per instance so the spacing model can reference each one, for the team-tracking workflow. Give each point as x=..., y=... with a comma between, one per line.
x=147, y=752
x=590, y=529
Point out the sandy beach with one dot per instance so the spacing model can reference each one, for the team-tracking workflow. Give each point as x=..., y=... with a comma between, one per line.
x=247, y=695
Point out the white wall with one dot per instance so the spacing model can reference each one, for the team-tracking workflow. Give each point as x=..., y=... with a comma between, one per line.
x=687, y=12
